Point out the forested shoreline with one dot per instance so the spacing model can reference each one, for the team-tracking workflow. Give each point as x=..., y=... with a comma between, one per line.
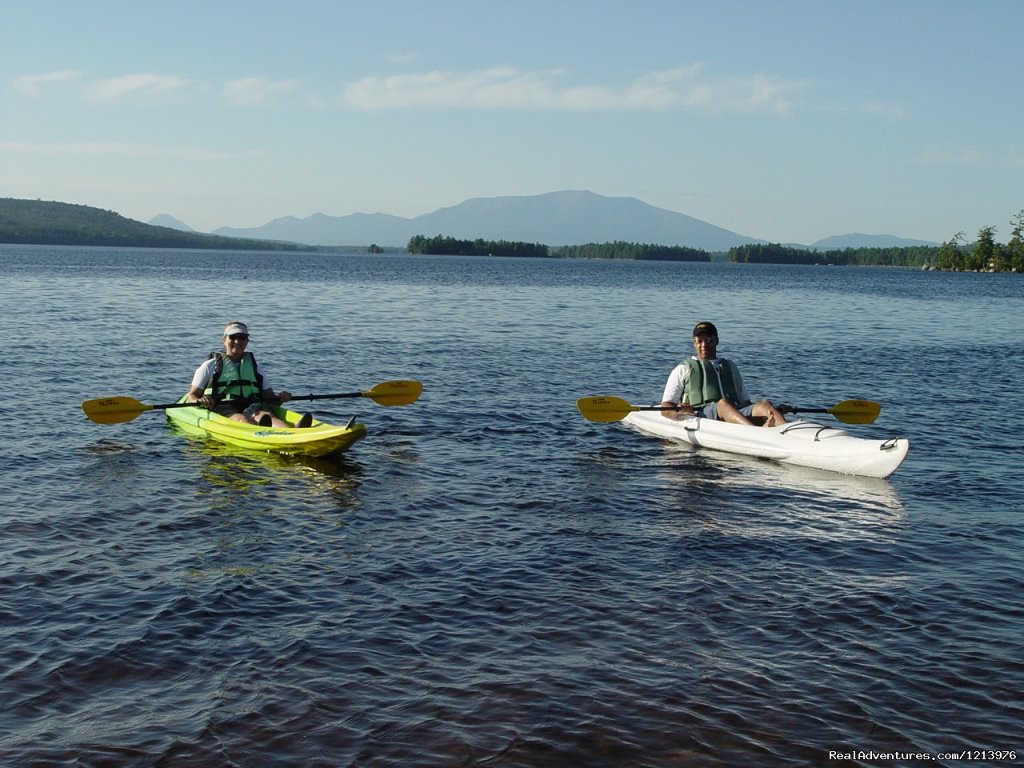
x=635, y=251
x=985, y=255
x=957, y=254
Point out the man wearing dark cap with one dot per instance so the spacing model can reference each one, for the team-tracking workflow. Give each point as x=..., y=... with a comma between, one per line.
x=711, y=386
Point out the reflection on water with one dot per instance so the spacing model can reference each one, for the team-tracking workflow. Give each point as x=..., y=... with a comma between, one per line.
x=767, y=474
x=239, y=466
x=488, y=579
x=686, y=468
x=793, y=504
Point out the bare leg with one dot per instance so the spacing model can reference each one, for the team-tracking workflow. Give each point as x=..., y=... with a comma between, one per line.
x=728, y=412
x=255, y=418
x=763, y=414
x=772, y=416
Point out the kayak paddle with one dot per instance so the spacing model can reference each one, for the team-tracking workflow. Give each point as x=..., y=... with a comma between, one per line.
x=609, y=409
x=117, y=410
x=847, y=411
x=385, y=393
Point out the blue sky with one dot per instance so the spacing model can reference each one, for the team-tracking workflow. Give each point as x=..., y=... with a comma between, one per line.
x=788, y=121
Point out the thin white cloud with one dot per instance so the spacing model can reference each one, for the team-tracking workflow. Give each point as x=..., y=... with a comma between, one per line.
x=113, y=149
x=486, y=88
x=255, y=91
x=694, y=89
x=691, y=88
x=400, y=58
x=688, y=88
x=951, y=157
x=1012, y=156
x=876, y=107
x=33, y=84
x=116, y=88
x=883, y=109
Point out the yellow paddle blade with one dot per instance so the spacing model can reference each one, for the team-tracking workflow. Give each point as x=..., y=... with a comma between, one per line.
x=395, y=392
x=114, y=410
x=856, y=411
x=604, y=408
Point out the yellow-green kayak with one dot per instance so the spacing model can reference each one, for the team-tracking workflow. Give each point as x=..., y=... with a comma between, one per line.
x=320, y=439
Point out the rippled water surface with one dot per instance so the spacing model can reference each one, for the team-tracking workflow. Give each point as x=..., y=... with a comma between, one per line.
x=488, y=579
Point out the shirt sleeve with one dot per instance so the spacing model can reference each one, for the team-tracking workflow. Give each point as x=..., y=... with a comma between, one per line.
x=674, y=386
x=201, y=378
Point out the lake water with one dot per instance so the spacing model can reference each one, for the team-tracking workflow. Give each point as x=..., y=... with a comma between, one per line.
x=488, y=579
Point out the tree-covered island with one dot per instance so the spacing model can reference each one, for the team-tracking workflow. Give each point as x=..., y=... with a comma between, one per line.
x=450, y=246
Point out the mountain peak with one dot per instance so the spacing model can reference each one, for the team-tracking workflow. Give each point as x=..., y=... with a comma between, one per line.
x=569, y=217
x=166, y=220
x=860, y=240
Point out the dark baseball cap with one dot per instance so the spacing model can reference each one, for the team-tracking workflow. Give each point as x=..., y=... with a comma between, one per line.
x=705, y=328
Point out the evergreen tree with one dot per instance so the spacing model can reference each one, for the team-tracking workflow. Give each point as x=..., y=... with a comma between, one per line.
x=951, y=253
x=1015, y=246
x=983, y=255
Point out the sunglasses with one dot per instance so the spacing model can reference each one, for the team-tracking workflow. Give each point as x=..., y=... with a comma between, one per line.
x=238, y=337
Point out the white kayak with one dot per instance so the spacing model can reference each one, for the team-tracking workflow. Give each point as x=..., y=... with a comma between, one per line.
x=805, y=443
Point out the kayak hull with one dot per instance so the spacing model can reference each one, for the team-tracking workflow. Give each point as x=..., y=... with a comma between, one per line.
x=804, y=443
x=320, y=439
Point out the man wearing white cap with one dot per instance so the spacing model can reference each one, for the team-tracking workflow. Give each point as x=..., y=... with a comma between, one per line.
x=231, y=384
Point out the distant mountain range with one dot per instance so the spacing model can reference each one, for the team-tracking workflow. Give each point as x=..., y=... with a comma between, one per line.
x=859, y=240
x=555, y=218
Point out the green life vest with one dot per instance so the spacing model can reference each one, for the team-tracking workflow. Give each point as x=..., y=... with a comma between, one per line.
x=235, y=381
x=706, y=385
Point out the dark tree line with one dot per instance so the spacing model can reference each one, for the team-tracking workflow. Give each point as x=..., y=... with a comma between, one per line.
x=450, y=246
x=773, y=253
x=985, y=254
x=441, y=245
x=638, y=251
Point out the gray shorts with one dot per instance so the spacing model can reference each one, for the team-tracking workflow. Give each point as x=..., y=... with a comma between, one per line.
x=710, y=411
